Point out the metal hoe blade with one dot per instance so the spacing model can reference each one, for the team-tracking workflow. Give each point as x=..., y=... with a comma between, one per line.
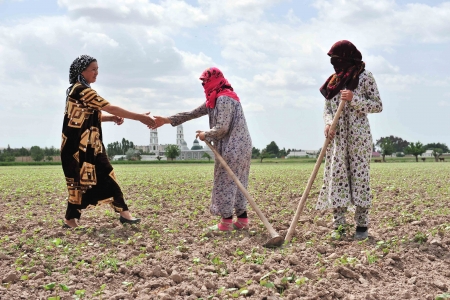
x=274, y=242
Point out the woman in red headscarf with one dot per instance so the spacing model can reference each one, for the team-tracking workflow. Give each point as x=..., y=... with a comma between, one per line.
x=347, y=164
x=229, y=132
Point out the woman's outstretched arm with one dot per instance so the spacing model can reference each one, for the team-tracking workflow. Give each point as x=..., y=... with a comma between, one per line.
x=120, y=112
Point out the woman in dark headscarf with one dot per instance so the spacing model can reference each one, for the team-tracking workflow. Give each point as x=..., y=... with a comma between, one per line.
x=347, y=164
x=89, y=175
x=229, y=132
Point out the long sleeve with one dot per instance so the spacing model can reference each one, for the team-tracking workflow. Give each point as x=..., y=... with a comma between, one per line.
x=189, y=115
x=327, y=113
x=224, y=110
x=367, y=98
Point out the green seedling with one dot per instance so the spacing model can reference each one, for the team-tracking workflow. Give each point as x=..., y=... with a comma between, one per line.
x=371, y=257
x=444, y=296
x=345, y=260
x=129, y=285
x=420, y=237
x=53, y=286
x=79, y=294
x=100, y=291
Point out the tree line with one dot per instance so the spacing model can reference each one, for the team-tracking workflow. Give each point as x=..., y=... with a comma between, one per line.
x=37, y=153
x=271, y=151
x=390, y=145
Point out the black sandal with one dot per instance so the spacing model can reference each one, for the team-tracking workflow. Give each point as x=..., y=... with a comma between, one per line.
x=126, y=221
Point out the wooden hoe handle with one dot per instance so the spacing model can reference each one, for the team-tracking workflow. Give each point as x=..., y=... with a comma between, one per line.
x=305, y=194
x=255, y=207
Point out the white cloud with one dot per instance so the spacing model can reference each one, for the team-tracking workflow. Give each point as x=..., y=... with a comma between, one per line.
x=151, y=54
x=169, y=14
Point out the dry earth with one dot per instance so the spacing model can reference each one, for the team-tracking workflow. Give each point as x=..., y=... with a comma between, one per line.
x=169, y=256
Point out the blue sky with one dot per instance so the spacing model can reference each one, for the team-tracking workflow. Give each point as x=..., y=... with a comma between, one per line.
x=273, y=52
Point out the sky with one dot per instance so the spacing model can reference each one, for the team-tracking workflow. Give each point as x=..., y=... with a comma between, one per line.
x=273, y=52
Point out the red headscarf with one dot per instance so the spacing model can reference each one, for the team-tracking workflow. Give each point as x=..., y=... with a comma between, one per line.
x=348, y=64
x=216, y=85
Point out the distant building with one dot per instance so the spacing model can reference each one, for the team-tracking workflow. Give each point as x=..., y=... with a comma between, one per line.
x=428, y=153
x=119, y=157
x=196, y=145
x=376, y=154
x=196, y=152
x=297, y=154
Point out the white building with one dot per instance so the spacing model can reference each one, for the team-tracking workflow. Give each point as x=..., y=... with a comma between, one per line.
x=181, y=143
x=196, y=152
x=428, y=153
x=298, y=154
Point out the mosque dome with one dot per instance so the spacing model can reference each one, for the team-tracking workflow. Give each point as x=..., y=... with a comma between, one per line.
x=196, y=145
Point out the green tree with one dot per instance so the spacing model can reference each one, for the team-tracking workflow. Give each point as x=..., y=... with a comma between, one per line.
x=272, y=148
x=255, y=152
x=387, y=148
x=436, y=153
x=117, y=148
x=437, y=145
x=264, y=154
x=133, y=154
x=282, y=152
x=206, y=155
x=23, y=152
x=37, y=154
x=398, y=143
x=5, y=156
x=415, y=149
x=172, y=151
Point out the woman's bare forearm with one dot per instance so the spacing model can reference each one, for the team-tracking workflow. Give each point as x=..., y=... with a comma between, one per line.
x=118, y=111
x=107, y=118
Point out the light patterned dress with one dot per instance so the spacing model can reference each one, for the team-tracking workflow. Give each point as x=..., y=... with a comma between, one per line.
x=347, y=163
x=230, y=135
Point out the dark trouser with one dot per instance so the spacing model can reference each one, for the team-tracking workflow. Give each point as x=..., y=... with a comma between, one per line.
x=101, y=193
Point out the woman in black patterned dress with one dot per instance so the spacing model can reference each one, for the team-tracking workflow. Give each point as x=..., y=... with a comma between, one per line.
x=89, y=175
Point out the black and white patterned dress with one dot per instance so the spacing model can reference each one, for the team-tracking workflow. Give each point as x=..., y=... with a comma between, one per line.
x=347, y=162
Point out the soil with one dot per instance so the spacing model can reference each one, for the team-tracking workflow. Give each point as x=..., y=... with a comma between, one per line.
x=169, y=255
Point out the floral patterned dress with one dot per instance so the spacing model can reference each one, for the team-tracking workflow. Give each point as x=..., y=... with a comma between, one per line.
x=231, y=137
x=347, y=163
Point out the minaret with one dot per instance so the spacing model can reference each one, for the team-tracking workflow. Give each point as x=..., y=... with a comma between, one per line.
x=181, y=143
x=180, y=136
x=154, y=141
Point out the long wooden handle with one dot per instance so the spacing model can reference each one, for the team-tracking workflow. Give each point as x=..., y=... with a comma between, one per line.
x=305, y=194
x=252, y=202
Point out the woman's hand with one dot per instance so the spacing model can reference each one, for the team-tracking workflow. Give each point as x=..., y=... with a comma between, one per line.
x=117, y=120
x=159, y=121
x=200, y=135
x=146, y=119
x=329, y=133
x=346, y=95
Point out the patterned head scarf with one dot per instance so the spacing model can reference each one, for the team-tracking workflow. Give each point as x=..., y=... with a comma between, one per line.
x=78, y=66
x=348, y=64
x=216, y=85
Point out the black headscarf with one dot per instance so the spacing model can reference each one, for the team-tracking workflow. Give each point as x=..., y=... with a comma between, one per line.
x=77, y=67
x=347, y=63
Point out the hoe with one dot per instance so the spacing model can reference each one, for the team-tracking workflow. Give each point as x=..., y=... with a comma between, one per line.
x=305, y=194
x=276, y=240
